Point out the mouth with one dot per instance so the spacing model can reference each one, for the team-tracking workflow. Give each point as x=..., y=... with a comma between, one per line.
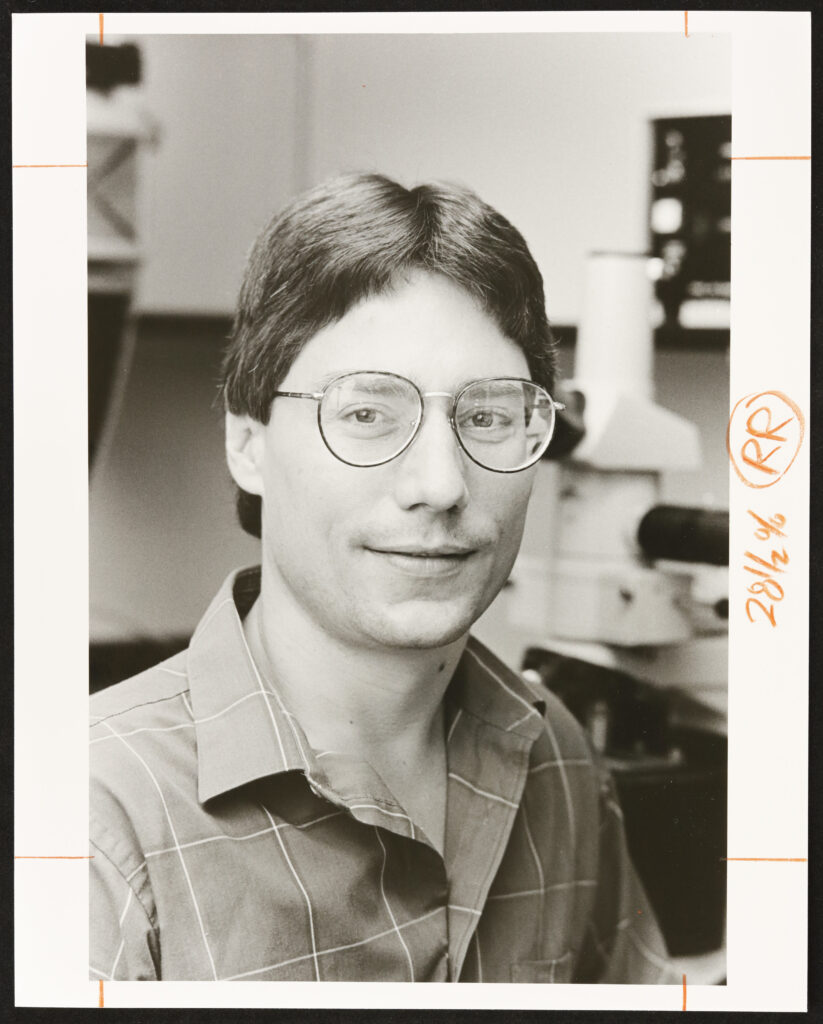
x=443, y=560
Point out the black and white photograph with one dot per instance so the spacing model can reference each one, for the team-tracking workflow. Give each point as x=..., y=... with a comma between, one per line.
x=411, y=510
x=408, y=374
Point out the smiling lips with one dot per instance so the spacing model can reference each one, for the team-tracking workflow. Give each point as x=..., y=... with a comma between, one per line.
x=442, y=560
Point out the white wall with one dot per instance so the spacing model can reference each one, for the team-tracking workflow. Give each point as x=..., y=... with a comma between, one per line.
x=550, y=129
x=227, y=109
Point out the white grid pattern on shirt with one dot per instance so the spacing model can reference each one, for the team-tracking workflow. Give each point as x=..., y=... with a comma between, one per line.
x=235, y=839
x=120, y=921
x=391, y=814
x=466, y=910
x=563, y=779
x=520, y=720
x=559, y=763
x=388, y=907
x=571, y=762
x=172, y=671
x=482, y=792
x=183, y=725
x=557, y=886
x=552, y=737
x=539, y=867
x=454, y=724
x=273, y=691
x=287, y=858
x=263, y=690
x=99, y=719
x=532, y=709
x=337, y=949
x=179, y=851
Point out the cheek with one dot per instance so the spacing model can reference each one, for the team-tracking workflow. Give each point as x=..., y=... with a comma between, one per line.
x=508, y=505
x=307, y=500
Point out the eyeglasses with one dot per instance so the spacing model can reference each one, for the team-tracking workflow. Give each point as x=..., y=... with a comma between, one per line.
x=368, y=418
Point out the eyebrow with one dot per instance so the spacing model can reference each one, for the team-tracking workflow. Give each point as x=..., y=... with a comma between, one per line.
x=327, y=378
x=322, y=382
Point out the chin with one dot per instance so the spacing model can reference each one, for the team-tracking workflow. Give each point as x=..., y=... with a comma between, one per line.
x=425, y=628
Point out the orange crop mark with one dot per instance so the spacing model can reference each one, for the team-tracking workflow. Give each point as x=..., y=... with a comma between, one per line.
x=100, y=997
x=37, y=856
x=684, y=991
x=770, y=158
x=768, y=419
x=792, y=860
x=49, y=165
x=100, y=16
x=686, y=14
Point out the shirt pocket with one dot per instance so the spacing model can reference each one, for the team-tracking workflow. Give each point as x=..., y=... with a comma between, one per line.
x=555, y=971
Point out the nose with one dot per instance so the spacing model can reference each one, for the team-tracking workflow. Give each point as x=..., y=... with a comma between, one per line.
x=431, y=472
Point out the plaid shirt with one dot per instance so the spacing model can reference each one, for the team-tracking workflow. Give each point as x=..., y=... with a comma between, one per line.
x=224, y=847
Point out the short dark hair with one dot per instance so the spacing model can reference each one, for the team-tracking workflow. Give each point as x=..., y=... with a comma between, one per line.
x=356, y=236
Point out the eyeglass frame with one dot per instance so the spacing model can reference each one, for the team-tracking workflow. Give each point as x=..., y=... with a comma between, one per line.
x=318, y=396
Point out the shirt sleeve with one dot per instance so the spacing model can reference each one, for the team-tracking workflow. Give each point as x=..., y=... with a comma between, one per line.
x=122, y=943
x=623, y=943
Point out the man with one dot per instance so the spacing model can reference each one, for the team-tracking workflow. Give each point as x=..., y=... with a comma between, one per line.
x=335, y=781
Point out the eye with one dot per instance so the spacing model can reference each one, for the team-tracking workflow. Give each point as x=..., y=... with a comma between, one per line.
x=364, y=415
x=485, y=419
x=367, y=419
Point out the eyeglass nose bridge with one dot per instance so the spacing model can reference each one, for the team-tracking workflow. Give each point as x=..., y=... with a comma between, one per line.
x=418, y=423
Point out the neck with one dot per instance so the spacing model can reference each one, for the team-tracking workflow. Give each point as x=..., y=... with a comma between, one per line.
x=351, y=699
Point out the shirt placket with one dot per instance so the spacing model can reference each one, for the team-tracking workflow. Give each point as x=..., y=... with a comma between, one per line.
x=488, y=768
x=355, y=787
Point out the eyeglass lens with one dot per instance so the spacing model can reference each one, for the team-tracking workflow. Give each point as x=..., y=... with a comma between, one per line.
x=368, y=418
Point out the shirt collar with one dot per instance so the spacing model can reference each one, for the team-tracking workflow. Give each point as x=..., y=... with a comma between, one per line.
x=485, y=687
x=244, y=731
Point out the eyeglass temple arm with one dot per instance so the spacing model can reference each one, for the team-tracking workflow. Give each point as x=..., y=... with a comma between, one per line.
x=299, y=394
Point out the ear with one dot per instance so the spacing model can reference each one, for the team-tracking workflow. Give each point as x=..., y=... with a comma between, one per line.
x=245, y=448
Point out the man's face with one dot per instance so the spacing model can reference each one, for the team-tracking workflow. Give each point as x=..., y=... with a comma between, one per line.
x=409, y=553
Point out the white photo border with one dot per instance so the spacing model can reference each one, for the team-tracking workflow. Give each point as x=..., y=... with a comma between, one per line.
x=768, y=678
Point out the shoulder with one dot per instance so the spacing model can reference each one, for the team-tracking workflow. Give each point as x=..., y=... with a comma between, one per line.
x=141, y=748
x=140, y=718
x=561, y=731
x=134, y=698
x=564, y=775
